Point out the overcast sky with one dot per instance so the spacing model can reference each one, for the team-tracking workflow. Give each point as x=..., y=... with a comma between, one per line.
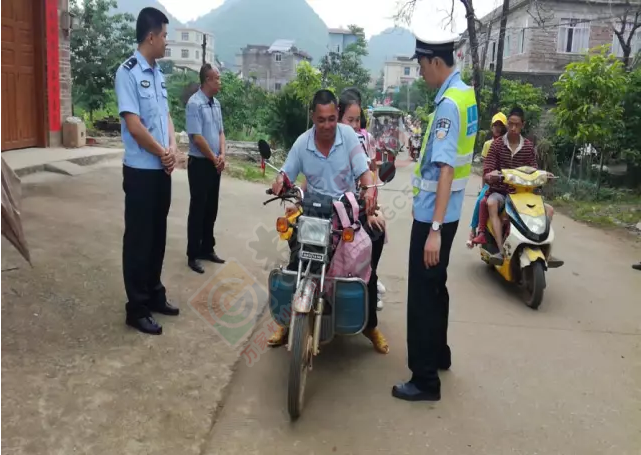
x=373, y=15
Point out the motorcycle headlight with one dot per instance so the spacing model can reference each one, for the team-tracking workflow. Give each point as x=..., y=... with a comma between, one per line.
x=536, y=224
x=540, y=180
x=313, y=231
x=516, y=180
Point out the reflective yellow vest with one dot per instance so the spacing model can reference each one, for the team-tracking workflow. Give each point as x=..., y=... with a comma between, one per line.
x=468, y=121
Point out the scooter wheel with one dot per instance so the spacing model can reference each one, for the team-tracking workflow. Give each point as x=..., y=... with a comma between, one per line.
x=534, y=284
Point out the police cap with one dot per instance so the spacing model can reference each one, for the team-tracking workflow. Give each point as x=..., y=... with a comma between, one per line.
x=434, y=47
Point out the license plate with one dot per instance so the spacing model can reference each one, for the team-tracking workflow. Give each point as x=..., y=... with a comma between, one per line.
x=312, y=256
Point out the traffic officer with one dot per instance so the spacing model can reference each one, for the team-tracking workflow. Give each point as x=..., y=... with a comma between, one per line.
x=150, y=147
x=438, y=182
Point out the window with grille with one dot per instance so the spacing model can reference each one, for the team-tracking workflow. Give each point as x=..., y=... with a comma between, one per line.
x=185, y=36
x=406, y=71
x=574, y=36
x=184, y=53
x=278, y=57
x=167, y=52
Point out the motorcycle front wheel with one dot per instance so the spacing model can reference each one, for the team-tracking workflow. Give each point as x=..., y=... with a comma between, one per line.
x=534, y=284
x=300, y=361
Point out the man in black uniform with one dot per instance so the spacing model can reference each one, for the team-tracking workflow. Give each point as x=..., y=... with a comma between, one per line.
x=150, y=147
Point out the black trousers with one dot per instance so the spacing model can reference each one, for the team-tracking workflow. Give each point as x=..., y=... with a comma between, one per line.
x=378, y=240
x=428, y=304
x=204, y=189
x=147, y=202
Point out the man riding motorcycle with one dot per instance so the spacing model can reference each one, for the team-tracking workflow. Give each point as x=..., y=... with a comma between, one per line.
x=331, y=158
x=509, y=152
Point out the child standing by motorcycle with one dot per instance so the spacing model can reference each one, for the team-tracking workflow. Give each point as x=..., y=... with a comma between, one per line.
x=499, y=128
x=351, y=113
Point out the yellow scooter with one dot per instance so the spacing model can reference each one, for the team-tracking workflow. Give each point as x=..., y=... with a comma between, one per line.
x=527, y=232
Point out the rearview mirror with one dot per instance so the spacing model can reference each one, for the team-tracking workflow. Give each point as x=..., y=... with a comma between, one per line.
x=387, y=171
x=264, y=149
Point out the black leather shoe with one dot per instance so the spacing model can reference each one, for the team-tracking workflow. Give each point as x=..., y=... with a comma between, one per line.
x=213, y=257
x=145, y=324
x=195, y=266
x=445, y=362
x=165, y=308
x=408, y=391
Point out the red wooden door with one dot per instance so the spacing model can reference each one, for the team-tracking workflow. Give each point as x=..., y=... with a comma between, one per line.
x=22, y=115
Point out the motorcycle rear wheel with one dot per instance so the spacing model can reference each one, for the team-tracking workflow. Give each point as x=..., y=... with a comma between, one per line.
x=300, y=361
x=534, y=284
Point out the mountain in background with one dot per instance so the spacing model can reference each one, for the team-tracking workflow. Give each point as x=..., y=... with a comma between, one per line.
x=384, y=46
x=133, y=7
x=237, y=23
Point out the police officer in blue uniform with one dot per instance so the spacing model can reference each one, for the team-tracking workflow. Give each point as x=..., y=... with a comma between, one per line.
x=439, y=189
x=150, y=146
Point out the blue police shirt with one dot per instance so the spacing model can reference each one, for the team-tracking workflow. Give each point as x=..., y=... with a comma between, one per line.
x=203, y=116
x=141, y=90
x=333, y=175
x=442, y=150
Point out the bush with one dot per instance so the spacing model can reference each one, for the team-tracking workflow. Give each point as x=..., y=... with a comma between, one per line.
x=286, y=119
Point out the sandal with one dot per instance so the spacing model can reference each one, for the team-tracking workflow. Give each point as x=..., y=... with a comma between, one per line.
x=377, y=339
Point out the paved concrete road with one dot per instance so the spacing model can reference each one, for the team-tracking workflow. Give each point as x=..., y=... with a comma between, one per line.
x=75, y=379
x=561, y=380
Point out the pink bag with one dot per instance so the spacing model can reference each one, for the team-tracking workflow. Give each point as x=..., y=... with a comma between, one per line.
x=351, y=259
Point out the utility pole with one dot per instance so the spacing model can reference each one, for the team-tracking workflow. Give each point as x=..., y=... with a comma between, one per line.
x=204, y=46
x=408, y=96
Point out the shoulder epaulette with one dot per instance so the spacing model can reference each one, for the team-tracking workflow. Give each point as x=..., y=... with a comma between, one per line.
x=129, y=64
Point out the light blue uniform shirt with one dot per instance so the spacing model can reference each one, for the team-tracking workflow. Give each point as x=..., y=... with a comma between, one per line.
x=333, y=175
x=141, y=90
x=444, y=151
x=203, y=116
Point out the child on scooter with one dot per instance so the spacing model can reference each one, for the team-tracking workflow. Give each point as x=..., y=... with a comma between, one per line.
x=499, y=128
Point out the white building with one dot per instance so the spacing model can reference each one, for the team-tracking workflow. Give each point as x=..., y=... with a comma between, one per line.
x=186, y=49
x=399, y=71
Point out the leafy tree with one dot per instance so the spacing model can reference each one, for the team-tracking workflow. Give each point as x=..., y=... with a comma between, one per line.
x=345, y=69
x=590, y=95
x=180, y=86
x=420, y=96
x=360, y=46
x=307, y=82
x=286, y=117
x=101, y=43
x=167, y=66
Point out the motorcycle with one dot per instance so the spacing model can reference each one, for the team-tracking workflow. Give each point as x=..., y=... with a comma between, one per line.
x=415, y=146
x=298, y=298
x=387, y=148
x=528, y=234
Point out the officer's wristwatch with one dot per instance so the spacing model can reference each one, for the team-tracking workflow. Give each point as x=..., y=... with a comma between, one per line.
x=436, y=226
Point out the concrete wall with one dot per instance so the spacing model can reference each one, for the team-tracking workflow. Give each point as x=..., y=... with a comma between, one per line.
x=268, y=72
x=394, y=73
x=541, y=42
x=338, y=41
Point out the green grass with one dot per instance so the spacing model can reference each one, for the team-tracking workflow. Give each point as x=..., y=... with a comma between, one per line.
x=247, y=170
x=622, y=213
